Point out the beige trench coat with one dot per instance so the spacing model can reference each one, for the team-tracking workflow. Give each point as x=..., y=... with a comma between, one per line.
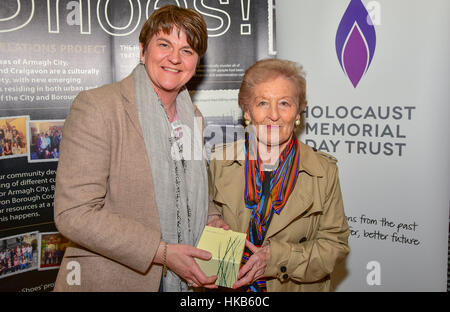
x=308, y=237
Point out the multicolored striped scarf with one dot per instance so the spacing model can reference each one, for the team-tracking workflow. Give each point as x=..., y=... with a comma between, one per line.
x=267, y=192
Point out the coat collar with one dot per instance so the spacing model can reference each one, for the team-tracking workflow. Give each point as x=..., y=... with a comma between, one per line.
x=308, y=157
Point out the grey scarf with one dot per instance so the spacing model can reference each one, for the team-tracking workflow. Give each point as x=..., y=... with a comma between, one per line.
x=181, y=183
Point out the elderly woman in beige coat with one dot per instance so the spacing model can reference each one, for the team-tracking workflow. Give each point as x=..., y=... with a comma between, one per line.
x=282, y=193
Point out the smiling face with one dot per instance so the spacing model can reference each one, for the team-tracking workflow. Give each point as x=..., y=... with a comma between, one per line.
x=169, y=61
x=273, y=109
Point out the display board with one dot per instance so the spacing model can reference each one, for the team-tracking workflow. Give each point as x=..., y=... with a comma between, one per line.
x=49, y=52
x=377, y=77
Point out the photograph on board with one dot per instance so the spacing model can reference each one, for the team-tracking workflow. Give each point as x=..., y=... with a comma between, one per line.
x=45, y=137
x=18, y=254
x=52, y=246
x=13, y=137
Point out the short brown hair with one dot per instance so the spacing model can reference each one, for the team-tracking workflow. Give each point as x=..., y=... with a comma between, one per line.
x=269, y=69
x=170, y=16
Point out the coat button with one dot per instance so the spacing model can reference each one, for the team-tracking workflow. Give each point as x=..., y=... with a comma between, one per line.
x=285, y=276
x=303, y=239
x=283, y=269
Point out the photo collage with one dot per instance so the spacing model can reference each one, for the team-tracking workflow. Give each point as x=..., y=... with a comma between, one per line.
x=38, y=140
x=31, y=251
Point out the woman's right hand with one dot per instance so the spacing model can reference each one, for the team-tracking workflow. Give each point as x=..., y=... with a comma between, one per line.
x=180, y=260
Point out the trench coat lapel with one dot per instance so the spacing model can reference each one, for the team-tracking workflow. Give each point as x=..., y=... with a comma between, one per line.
x=298, y=204
x=231, y=185
x=304, y=199
x=231, y=192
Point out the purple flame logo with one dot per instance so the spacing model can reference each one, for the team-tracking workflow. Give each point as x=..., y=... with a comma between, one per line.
x=355, y=41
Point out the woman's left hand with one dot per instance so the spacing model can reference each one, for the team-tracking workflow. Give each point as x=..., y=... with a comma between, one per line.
x=255, y=267
x=218, y=222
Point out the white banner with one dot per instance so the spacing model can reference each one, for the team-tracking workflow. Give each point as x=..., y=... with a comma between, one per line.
x=378, y=100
